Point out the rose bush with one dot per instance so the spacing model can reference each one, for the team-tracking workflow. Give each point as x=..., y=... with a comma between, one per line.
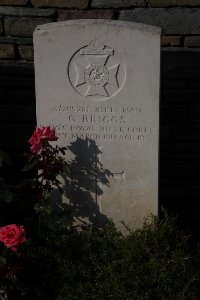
x=12, y=236
x=46, y=160
x=41, y=135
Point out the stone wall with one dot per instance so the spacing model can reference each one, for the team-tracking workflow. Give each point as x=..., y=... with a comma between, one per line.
x=180, y=82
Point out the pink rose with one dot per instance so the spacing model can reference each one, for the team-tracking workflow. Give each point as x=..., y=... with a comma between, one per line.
x=12, y=236
x=39, y=136
x=37, y=144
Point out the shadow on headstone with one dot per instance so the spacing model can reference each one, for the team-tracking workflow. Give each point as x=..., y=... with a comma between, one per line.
x=83, y=184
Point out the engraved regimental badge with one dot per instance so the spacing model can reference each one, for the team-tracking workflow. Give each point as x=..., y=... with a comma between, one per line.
x=96, y=71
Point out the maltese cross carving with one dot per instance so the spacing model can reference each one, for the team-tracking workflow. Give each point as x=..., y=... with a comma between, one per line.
x=94, y=71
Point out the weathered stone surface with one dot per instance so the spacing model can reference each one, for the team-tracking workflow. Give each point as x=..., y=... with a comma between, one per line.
x=26, y=52
x=172, y=20
x=102, y=95
x=174, y=40
x=26, y=11
x=168, y=3
x=6, y=51
x=16, y=40
x=14, y=67
x=23, y=26
x=81, y=4
x=192, y=41
x=1, y=27
x=13, y=2
x=85, y=14
x=117, y=3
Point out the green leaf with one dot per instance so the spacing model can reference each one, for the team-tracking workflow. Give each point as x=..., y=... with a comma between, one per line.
x=2, y=261
x=4, y=157
x=62, y=150
x=29, y=166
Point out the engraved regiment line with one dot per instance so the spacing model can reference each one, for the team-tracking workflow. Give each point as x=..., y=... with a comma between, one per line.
x=65, y=131
x=101, y=123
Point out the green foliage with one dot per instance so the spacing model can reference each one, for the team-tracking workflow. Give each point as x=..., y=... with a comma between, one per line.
x=5, y=193
x=154, y=262
x=4, y=158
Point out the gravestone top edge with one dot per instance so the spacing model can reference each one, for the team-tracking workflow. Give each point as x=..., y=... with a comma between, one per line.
x=90, y=22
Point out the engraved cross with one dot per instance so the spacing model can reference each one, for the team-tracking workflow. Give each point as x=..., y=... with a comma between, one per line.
x=89, y=176
x=99, y=183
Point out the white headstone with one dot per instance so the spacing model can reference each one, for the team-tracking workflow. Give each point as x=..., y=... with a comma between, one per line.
x=97, y=83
